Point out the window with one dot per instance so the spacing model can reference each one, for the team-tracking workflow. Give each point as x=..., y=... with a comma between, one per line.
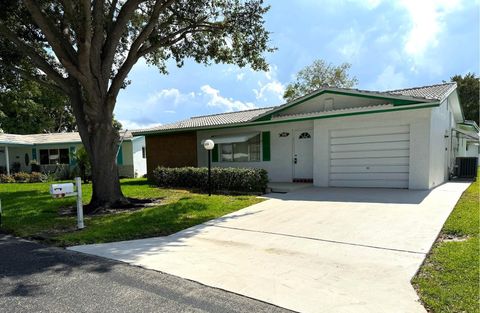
x=304, y=135
x=248, y=151
x=144, y=153
x=54, y=156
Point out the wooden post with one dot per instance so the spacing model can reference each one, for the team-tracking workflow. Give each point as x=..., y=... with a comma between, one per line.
x=80, y=224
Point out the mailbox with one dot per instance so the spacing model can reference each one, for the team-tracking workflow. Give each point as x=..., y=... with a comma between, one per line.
x=60, y=190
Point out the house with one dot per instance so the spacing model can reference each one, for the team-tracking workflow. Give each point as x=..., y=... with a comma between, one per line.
x=50, y=150
x=405, y=138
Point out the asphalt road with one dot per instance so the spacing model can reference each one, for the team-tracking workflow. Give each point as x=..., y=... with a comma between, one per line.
x=38, y=278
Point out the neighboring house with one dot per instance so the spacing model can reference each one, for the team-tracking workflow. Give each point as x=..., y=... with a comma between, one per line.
x=48, y=150
x=405, y=138
x=468, y=145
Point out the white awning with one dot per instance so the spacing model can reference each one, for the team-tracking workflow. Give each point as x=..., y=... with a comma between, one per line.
x=232, y=138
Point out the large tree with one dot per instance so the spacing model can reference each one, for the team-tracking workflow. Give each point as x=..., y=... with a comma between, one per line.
x=317, y=75
x=469, y=94
x=27, y=107
x=86, y=48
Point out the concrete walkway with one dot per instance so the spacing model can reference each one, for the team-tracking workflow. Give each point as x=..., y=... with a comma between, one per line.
x=314, y=250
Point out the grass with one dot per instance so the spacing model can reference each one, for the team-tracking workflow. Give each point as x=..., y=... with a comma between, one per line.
x=30, y=212
x=449, y=279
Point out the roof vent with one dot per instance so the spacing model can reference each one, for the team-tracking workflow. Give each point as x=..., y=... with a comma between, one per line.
x=328, y=104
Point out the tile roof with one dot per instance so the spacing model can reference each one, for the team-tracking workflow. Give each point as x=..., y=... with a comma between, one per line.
x=422, y=94
x=210, y=120
x=48, y=138
x=436, y=92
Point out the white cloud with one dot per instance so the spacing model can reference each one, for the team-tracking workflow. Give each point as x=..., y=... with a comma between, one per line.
x=172, y=94
x=390, y=79
x=240, y=76
x=350, y=43
x=131, y=125
x=228, y=104
x=274, y=87
x=427, y=19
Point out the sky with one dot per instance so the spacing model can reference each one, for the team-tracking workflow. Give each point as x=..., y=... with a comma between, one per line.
x=390, y=44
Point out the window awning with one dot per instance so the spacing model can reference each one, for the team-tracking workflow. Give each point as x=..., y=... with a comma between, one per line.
x=232, y=138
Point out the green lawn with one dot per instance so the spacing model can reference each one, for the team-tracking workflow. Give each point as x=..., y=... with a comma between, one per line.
x=30, y=212
x=449, y=279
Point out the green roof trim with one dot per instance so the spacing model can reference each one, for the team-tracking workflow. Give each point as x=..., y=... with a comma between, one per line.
x=254, y=123
x=394, y=99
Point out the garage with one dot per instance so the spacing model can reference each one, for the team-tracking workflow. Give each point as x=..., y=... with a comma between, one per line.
x=370, y=157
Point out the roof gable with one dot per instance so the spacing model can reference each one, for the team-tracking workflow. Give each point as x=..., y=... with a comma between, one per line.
x=419, y=97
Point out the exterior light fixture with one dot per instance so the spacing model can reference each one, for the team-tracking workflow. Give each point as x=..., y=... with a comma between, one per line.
x=209, y=145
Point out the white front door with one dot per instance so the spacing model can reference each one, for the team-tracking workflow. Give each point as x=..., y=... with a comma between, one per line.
x=303, y=154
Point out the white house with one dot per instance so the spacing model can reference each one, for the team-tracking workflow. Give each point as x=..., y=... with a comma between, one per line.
x=48, y=150
x=405, y=138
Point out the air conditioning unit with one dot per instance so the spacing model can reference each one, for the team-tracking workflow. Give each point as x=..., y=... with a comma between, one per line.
x=466, y=167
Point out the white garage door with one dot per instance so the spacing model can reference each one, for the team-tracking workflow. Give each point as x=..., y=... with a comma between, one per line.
x=370, y=157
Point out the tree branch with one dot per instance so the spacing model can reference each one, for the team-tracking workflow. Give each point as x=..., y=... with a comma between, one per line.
x=97, y=43
x=39, y=80
x=114, y=35
x=133, y=54
x=64, y=52
x=36, y=59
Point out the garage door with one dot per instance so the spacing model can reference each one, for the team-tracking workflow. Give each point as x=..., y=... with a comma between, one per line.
x=370, y=157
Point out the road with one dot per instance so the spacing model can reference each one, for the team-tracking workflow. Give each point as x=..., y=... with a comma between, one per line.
x=39, y=278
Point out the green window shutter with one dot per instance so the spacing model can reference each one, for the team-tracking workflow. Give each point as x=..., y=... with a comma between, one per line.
x=72, y=156
x=34, y=154
x=266, y=146
x=215, y=153
x=120, y=156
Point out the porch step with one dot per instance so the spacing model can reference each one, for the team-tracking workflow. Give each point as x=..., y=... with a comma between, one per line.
x=287, y=187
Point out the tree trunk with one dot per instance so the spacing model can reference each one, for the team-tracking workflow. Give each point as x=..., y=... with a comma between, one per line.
x=105, y=180
x=100, y=140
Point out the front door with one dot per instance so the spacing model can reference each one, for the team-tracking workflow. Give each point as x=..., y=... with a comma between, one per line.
x=303, y=155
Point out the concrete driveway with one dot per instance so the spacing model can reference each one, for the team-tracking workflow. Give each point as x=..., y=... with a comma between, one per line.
x=313, y=250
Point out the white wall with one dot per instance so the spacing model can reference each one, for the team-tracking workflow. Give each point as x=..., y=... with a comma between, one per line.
x=139, y=162
x=280, y=166
x=418, y=121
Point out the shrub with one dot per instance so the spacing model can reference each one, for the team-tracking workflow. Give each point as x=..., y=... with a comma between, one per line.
x=223, y=179
x=35, y=167
x=37, y=177
x=16, y=166
x=4, y=178
x=22, y=177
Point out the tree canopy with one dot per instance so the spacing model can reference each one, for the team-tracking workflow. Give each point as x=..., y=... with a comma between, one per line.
x=27, y=107
x=86, y=49
x=317, y=75
x=468, y=88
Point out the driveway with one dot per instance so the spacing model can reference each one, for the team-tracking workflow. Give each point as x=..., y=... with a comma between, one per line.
x=37, y=278
x=313, y=250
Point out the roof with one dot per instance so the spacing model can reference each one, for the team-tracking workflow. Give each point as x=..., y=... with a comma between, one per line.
x=424, y=94
x=210, y=120
x=434, y=92
x=48, y=138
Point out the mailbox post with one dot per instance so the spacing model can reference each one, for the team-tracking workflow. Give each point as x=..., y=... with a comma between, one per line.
x=66, y=190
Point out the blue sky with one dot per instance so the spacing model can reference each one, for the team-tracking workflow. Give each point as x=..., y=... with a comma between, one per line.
x=390, y=44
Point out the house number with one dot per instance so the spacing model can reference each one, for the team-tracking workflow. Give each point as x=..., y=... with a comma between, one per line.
x=284, y=134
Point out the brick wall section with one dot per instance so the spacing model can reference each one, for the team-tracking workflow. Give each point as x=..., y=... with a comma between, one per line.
x=171, y=150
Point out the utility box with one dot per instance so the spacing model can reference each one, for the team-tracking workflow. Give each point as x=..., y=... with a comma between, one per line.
x=61, y=190
x=466, y=167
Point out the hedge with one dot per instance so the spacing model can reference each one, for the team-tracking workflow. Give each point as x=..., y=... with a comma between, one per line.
x=223, y=179
x=23, y=177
